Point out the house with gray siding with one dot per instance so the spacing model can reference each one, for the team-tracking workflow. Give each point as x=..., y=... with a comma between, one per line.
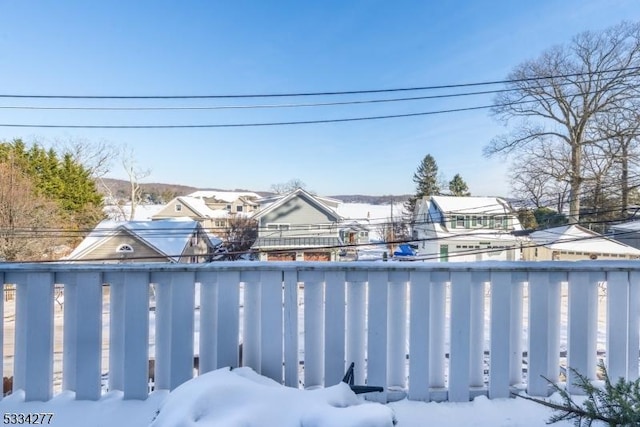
x=297, y=226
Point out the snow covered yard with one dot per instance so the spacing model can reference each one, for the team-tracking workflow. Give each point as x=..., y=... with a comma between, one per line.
x=243, y=398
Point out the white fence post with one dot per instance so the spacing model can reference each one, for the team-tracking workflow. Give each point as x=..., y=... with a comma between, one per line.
x=356, y=332
x=291, y=374
x=437, y=328
x=377, y=333
x=208, y=327
x=544, y=318
x=419, y=336
x=271, y=325
x=476, y=350
x=313, y=328
x=460, y=354
x=334, y=327
x=516, y=334
x=82, y=353
x=500, y=357
x=251, y=325
x=618, y=325
x=228, y=318
x=129, y=333
x=33, y=357
x=175, y=298
x=397, y=336
x=582, y=326
x=633, y=336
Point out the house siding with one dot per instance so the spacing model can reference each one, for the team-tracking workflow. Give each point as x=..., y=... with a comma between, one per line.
x=303, y=218
x=106, y=251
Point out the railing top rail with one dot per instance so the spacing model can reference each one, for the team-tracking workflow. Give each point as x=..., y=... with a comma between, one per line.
x=510, y=266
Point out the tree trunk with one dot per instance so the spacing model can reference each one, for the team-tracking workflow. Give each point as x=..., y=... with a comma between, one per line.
x=576, y=183
x=624, y=179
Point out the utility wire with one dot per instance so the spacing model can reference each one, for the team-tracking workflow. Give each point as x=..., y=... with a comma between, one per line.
x=326, y=93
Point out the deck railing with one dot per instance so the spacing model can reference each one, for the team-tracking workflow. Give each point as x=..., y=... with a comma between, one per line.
x=435, y=331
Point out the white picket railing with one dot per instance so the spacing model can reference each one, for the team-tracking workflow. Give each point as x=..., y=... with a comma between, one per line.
x=436, y=331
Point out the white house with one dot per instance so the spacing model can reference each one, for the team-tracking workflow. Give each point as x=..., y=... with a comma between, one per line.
x=465, y=229
x=572, y=243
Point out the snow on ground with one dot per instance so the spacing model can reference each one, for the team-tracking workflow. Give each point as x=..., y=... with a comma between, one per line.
x=243, y=398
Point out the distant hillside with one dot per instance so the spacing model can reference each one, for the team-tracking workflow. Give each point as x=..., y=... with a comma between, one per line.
x=372, y=200
x=162, y=193
x=156, y=192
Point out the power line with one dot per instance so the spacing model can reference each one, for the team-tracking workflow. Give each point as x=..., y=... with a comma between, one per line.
x=325, y=93
x=257, y=124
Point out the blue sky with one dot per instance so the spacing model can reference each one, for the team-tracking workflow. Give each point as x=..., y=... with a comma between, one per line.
x=249, y=47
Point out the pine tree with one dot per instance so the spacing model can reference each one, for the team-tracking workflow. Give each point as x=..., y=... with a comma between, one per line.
x=426, y=179
x=614, y=404
x=458, y=187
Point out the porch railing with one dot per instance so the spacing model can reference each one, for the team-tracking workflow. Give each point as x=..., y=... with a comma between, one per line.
x=435, y=331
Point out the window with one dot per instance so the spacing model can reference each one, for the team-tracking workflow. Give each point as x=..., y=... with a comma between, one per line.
x=238, y=208
x=277, y=226
x=178, y=207
x=474, y=221
x=460, y=221
x=498, y=222
x=124, y=249
x=228, y=207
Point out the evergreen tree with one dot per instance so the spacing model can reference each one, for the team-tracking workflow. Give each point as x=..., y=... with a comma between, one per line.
x=61, y=184
x=458, y=187
x=426, y=179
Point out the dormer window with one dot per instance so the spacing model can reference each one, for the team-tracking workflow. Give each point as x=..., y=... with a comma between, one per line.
x=124, y=249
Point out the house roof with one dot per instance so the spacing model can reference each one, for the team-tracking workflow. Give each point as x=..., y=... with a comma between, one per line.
x=471, y=205
x=225, y=196
x=297, y=242
x=198, y=206
x=168, y=237
x=575, y=238
x=314, y=200
x=627, y=226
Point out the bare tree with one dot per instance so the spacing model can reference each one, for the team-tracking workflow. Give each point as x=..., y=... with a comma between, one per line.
x=539, y=176
x=286, y=187
x=240, y=235
x=96, y=157
x=560, y=96
x=29, y=223
x=135, y=174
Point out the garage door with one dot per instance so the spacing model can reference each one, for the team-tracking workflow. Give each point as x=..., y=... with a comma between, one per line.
x=317, y=256
x=281, y=256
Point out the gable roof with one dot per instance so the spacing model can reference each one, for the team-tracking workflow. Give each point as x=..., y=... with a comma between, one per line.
x=472, y=205
x=315, y=201
x=196, y=205
x=575, y=238
x=167, y=237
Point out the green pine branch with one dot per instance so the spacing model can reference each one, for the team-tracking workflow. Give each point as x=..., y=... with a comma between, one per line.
x=615, y=404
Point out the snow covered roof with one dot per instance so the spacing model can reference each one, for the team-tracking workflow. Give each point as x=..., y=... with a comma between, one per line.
x=142, y=212
x=472, y=205
x=198, y=206
x=168, y=237
x=627, y=226
x=578, y=239
x=225, y=196
x=365, y=212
